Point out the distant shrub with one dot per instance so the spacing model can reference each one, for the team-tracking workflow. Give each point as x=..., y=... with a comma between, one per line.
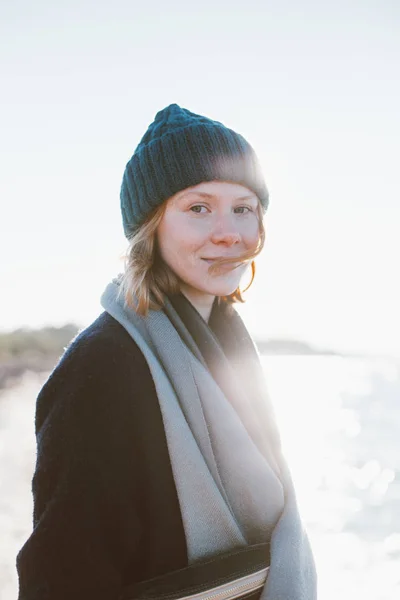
x=48, y=341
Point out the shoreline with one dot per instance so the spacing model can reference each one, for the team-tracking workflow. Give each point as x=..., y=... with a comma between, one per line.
x=13, y=371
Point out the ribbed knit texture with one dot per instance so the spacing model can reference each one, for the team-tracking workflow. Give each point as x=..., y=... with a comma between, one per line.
x=181, y=149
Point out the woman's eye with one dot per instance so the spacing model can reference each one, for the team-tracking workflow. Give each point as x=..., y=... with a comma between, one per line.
x=242, y=210
x=197, y=208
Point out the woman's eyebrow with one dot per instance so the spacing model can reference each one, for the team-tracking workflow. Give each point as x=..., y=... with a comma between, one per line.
x=202, y=194
x=250, y=197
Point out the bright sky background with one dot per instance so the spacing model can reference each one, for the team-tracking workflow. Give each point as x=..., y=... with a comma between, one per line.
x=313, y=85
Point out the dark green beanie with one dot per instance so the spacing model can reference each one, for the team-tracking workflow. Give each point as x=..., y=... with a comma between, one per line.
x=181, y=149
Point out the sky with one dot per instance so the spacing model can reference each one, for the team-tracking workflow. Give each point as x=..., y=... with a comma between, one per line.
x=314, y=86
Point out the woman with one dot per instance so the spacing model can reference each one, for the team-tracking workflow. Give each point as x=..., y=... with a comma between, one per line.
x=157, y=447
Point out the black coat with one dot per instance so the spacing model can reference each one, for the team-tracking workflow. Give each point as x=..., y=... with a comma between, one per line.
x=106, y=510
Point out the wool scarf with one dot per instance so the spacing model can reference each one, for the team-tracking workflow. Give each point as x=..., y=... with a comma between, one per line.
x=233, y=483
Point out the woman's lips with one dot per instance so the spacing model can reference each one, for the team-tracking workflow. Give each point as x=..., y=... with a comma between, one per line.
x=217, y=258
x=229, y=266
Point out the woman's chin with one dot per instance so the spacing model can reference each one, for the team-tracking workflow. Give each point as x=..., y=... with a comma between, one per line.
x=220, y=289
x=213, y=285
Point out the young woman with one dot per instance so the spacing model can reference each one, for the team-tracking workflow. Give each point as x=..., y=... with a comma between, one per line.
x=158, y=456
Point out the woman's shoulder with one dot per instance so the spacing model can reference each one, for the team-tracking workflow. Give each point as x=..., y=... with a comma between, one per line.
x=101, y=365
x=102, y=358
x=103, y=344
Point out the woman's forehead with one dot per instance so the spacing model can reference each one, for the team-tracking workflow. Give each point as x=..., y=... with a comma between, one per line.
x=218, y=190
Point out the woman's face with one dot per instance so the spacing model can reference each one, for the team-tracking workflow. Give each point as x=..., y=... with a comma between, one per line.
x=205, y=222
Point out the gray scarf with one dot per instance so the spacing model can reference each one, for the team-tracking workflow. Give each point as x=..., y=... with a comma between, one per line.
x=233, y=485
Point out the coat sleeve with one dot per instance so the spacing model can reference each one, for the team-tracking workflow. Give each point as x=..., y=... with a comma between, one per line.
x=86, y=485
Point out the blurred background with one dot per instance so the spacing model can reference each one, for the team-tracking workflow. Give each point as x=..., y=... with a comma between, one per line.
x=315, y=87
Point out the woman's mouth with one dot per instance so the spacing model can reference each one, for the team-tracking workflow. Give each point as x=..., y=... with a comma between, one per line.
x=224, y=266
x=209, y=260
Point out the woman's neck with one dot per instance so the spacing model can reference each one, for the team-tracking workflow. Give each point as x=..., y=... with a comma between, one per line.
x=203, y=303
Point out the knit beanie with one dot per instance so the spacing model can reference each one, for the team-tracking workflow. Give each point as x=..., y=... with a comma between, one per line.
x=181, y=149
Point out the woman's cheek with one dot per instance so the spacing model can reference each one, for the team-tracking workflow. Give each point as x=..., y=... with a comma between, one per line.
x=250, y=234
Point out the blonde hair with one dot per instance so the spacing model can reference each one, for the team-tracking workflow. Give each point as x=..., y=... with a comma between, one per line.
x=147, y=279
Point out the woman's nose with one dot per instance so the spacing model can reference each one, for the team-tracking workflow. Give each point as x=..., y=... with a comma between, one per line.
x=225, y=232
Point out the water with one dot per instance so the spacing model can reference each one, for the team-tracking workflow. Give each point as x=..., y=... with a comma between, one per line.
x=340, y=426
